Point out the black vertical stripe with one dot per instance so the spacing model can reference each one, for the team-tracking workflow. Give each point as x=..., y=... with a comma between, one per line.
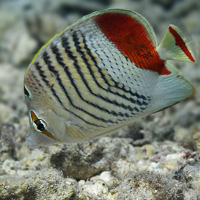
x=26, y=92
x=78, y=48
x=116, y=84
x=52, y=69
x=71, y=56
x=44, y=79
x=66, y=45
x=82, y=54
x=60, y=62
x=137, y=102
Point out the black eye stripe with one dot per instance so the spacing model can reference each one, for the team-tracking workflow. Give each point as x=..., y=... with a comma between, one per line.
x=40, y=125
x=26, y=92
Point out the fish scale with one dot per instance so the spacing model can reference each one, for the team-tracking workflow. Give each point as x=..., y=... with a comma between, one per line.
x=100, y=74
x=113, y=67
x=101, y=109
x=86, y=79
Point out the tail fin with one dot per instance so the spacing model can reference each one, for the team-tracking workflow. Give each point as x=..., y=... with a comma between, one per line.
x=174, y=46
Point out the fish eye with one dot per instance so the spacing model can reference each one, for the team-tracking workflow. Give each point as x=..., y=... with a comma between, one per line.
x=39, y=125
x=26, y=92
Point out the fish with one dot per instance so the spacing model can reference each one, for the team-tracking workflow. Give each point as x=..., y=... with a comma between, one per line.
x=100, y=74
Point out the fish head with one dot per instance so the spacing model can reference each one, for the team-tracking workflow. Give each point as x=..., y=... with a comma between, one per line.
x=46, y=126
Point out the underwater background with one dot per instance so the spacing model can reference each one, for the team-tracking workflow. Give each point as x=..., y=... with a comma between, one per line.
x=157, y=157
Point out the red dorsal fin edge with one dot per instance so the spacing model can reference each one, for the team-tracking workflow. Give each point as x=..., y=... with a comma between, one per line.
x=131, y=37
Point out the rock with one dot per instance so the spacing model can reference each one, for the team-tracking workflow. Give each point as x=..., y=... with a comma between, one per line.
x=106, y=176
x=17, y=45
x=185, y=7
x=148, y=185
x=84, y=160
x=183, y=137
x=192, y=194
x=7, y=19
x=45, y=184
x=7, y=144
x=96, y=190
x=5, y=112
x=11, y=93
x=44, y=26
x=190, y=173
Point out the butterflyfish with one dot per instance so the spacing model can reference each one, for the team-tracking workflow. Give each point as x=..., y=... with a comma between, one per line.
x=100, y=74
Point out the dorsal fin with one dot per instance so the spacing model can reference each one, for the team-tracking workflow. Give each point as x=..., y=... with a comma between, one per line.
x=174, y=46
x=133, y=36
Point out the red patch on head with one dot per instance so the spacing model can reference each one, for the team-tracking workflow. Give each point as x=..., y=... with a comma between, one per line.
x=181, y=43
x=131, y=37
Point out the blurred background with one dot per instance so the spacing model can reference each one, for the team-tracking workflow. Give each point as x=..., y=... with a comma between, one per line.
x=25, y=25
